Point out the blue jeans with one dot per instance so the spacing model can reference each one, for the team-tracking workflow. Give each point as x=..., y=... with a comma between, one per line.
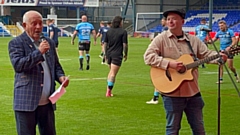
x=174, y=108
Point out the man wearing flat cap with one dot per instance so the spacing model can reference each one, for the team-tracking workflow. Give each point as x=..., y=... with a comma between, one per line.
x=180, y=12
x=184, y=95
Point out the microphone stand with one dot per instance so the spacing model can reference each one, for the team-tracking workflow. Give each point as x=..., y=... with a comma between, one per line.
x=221, y=62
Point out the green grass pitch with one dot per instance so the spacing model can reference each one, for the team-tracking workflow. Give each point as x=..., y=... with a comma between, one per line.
x=84, y=109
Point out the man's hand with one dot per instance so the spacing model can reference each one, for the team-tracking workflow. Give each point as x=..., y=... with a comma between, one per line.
x=177, y=65
x=44, y=47
x=62, y=79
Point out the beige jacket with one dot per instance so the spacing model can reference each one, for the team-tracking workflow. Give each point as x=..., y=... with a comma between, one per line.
x=167, y=45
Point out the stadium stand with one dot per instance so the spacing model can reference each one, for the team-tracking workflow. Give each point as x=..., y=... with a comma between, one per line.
x=223, y=4
x=14, y=30
x=227, y=10
x=3, y=31
x=230, y=16
x=193, y=19
x=7, y=31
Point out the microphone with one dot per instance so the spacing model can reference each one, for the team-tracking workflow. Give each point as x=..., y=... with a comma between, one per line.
x=42, y=38
x=205, y=29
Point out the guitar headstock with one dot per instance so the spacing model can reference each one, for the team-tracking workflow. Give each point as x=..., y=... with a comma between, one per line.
x=234, y=50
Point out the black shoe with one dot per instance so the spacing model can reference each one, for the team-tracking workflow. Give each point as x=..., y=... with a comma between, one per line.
x=88, y=67
x=81, y=69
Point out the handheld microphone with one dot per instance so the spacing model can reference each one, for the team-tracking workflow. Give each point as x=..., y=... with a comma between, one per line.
x=205, y=29
x=42, y=38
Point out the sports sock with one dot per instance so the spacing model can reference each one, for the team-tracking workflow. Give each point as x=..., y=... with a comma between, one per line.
x=81, y=61
x=88, y=58
x=103, y=60
x=110, y=85
x=156, y=96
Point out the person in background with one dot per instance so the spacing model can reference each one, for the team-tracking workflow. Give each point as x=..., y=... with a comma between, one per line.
x=164, y=24
x=201, y=34
x=164, y=28
x=187, y=96
x=47, y=22
x=102, y=33
x=53, y=32
x=84, y=31
x=155, y=98
x=36, y=67
x=116, y=49
x=227, y=40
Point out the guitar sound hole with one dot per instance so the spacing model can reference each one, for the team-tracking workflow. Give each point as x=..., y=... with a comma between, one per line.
x=183, y=70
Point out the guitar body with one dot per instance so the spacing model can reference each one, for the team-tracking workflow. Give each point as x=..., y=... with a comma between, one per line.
x=166, y=81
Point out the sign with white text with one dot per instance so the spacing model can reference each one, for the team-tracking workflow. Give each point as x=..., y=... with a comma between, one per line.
x=75, y=3
x=19, y=2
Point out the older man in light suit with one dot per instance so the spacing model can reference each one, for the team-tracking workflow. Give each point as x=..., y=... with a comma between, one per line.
x=36, y=67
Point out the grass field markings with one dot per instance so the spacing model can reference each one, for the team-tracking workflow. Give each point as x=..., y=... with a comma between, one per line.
x=207, y=72
x=133, y=85
x=86, y=79
x=103, y=78
x=64, y=59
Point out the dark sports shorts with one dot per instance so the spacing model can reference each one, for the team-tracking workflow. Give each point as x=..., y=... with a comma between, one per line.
x=84, y=46
x=102, y=42
x=230, y=56
x=116, y=60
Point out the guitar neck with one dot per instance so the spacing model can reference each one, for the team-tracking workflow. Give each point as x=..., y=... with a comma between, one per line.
x=200, y=62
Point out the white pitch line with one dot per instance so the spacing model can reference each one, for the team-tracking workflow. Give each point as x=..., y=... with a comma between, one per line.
x=86, y=79
x=206, y=72
x=65, y=59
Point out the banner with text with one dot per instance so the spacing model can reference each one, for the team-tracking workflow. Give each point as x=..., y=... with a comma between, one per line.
x=75, y=3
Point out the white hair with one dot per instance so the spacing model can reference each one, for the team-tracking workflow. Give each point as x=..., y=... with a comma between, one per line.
x=26, y=15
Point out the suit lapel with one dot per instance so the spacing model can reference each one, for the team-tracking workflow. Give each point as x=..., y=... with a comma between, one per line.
x=31, y=46
x=28, y=41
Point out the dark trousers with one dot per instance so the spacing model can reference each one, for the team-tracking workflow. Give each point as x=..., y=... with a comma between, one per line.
x=43, y=116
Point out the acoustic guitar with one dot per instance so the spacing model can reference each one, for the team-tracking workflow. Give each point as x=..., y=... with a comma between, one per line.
x=166, y=81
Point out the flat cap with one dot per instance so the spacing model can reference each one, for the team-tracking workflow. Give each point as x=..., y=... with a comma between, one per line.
x=180, y=12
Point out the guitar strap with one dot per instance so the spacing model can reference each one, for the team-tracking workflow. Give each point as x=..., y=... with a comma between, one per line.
x=190, y=47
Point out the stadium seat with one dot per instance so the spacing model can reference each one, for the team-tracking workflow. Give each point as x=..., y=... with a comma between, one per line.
x=4, y=33
x=230, y=16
